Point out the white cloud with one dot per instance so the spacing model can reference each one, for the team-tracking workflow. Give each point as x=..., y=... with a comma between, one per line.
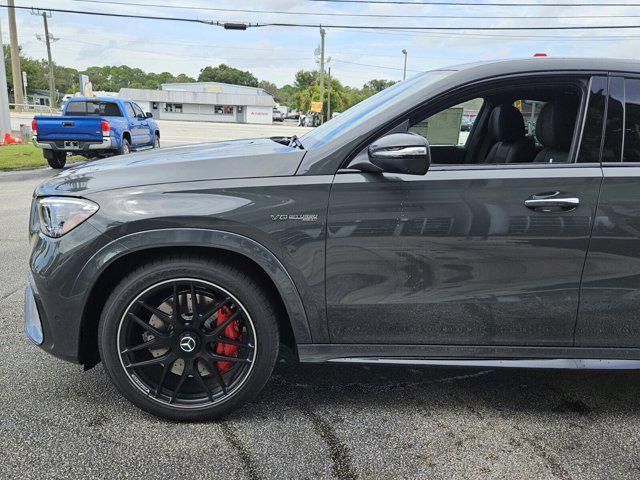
x=276, y=53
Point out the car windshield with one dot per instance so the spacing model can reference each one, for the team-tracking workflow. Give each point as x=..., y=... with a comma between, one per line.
x=93, y=108
x=372, y=105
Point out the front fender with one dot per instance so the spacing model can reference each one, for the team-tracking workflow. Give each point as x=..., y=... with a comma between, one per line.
x=195, y=237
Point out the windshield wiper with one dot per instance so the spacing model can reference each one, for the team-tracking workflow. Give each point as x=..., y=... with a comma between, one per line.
x=294, y=141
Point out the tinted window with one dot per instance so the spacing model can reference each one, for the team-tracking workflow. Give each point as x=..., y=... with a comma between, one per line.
x=632, y=121
x=137, y=110
x=612, y=148
x=129, y=109
x=450, y=126
x=592, y=132
x=93, y=108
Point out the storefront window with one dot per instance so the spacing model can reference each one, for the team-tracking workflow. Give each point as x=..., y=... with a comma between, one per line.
x=223, y=109
x=173, y=107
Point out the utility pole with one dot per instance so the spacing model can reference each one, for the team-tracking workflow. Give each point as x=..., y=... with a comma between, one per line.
x=16, y=70
x=329, y=97
x=5, y=120
x=322, y=74
x=404, y=73
x=52, y=80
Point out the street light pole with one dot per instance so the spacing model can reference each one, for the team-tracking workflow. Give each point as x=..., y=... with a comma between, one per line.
x=52, y=80
x=16, y=70
x=329, y=97
x=404, y=72
x=5, y=120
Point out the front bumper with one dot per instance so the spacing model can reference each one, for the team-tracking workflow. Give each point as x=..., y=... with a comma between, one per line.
x=55, y=265
x=105, y=144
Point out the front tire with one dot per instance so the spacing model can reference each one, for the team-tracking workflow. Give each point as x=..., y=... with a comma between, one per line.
x=55, y=159
x=198, y=361
x=156, y=141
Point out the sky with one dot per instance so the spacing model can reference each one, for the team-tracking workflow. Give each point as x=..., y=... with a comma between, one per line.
x=357, y=55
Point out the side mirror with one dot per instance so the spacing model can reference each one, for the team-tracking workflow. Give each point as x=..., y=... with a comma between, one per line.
x=401, y=153
x=148, y=115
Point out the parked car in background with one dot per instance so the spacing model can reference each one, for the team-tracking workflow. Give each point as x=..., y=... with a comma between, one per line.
x=278, y=116
x=467, y=123
x=187, y=273
x=94, y=127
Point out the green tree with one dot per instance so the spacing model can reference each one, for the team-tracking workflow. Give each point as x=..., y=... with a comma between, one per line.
x=226, y=74
x=270, y=88
x=377, y=85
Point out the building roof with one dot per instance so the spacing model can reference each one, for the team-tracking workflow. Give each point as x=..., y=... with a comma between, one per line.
x=213, y=87
x=179, y=96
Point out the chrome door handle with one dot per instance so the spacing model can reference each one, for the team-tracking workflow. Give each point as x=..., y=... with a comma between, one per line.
x=553, y=201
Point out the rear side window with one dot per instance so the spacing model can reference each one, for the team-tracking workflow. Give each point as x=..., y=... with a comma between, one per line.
x=632, y=121
x=612, y=147
x=93, y=109
x=593, y=126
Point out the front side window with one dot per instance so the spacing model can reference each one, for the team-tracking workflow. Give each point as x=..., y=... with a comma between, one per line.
x=450, y=126
x=532, y=122
x=138, y=111
x=129, y=108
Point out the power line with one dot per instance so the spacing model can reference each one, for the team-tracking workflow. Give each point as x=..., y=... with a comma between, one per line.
x=244, y=26
x=374, y=66
x=473, y=4
x=537, y=38
x=481, y=29
x=118, y=15
x=343, y=14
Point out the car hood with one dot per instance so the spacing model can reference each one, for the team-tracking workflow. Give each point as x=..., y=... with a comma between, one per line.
x=209, y=161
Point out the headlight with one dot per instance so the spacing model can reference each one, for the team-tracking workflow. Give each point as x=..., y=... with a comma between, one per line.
x=59, y=215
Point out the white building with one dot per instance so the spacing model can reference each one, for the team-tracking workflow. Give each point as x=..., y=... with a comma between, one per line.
x=204, y=101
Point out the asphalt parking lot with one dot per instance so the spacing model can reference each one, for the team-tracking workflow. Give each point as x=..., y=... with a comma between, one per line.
x=310, y=421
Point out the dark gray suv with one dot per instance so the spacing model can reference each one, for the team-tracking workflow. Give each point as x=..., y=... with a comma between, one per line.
x=386, y=235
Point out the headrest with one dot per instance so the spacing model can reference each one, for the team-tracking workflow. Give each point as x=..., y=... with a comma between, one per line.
x=554, y=128
x=506, y=123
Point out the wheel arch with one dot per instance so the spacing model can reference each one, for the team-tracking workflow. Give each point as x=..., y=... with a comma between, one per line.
x=118, y=258
x=127, y=135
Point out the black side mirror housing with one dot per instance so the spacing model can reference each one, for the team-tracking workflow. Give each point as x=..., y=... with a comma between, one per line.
x=148, y=115
x=406, y=153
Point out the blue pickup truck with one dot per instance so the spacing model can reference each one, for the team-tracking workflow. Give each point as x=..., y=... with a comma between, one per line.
x=94, y=127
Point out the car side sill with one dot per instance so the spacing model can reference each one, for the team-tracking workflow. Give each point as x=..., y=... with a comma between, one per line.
x=557, y=363
x=480, y=356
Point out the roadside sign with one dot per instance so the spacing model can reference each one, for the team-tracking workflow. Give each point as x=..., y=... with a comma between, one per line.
x=316, y=107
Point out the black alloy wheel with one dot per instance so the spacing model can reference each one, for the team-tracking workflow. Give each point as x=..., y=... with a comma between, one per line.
x=185, y=347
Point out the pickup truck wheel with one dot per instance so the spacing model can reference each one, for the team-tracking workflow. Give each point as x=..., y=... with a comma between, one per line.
x=125, y=148
x=188, y=337
x=55, y=159
x=156, y=141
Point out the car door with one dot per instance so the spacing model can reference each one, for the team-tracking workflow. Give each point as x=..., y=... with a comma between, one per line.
x=610, y=298
x=143, y=124
x=134, y=127
x=455, y=257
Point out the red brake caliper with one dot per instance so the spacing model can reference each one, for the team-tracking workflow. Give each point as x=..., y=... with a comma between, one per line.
x=232, y=332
